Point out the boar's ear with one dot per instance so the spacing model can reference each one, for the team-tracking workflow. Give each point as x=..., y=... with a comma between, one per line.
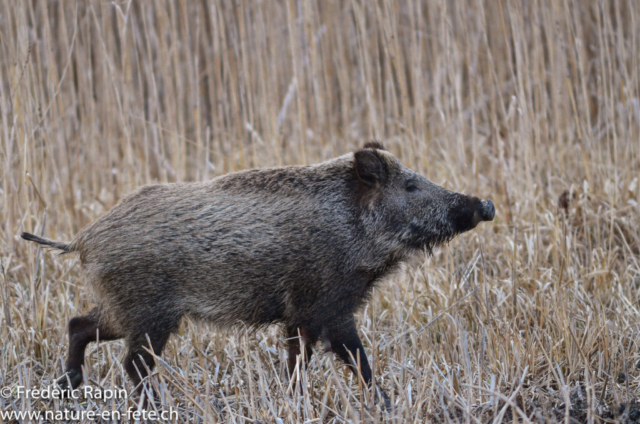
x=370, y=167
x=374, y=145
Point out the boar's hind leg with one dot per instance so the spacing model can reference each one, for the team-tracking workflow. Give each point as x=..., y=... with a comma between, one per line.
x=295, y=339
x=139, y=361
x=82, y=331
x=344, y=341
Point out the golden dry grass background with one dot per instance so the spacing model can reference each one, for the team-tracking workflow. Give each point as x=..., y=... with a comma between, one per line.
x=517, y=101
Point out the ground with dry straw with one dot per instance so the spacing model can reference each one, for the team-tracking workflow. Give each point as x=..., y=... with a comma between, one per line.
x=531, y=318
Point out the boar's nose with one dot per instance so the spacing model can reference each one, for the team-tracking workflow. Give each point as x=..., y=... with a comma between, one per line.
x=471, y=211
x=484, y=211
x=488, y=210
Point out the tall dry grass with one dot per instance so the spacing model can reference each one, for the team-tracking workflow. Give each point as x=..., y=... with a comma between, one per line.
x=535, y=104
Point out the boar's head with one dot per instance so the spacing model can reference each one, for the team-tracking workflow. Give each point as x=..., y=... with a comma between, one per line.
x=408, y=208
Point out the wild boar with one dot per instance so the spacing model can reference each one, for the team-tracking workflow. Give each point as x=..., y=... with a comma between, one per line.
x=299, y=246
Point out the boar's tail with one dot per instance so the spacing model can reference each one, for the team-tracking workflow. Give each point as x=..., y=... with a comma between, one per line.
x=65, y=247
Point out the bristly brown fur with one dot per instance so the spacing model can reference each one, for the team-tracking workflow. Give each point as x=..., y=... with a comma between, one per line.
x=302, y=246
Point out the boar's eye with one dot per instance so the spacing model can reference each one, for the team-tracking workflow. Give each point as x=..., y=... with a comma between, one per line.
x=411, y=187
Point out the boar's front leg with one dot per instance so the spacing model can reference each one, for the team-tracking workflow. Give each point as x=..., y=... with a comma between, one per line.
x=343, y=340
x=296, y=339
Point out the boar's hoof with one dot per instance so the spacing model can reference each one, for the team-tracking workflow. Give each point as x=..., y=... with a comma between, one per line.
x=70, y=380
x=381, y=398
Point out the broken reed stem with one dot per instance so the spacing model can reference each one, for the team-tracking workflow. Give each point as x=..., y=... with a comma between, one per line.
x=5, y=298
x=513, y=273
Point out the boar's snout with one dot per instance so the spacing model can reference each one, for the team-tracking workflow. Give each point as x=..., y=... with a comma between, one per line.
x=471, y=212
x=488, y=211
x=483, y=210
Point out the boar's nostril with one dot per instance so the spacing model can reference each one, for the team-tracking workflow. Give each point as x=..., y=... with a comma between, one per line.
x=488, y=210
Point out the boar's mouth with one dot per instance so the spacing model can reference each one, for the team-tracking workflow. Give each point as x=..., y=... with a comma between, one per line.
x=462, y=217
x=425, y=237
